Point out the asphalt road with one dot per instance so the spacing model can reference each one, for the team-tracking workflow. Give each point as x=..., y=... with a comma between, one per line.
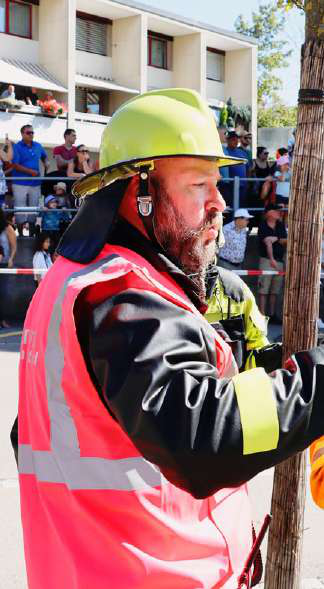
x=12, y=572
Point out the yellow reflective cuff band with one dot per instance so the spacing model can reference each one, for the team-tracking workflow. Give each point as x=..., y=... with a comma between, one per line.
x=250, y=362
x=258, y=411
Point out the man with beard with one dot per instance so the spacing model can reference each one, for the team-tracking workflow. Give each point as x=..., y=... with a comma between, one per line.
x=136, y=433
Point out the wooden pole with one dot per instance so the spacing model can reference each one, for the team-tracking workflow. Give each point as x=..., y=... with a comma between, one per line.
x=301, y=300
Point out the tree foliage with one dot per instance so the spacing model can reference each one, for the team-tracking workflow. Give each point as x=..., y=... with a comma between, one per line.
x=266, y=26
x=287, y=4
x=278, y=115
x=238, y=115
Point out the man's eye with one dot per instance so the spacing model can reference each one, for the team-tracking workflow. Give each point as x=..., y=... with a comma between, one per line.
x=200, y=185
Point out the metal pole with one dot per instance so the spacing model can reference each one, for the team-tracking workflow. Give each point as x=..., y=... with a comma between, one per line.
x=236, y=193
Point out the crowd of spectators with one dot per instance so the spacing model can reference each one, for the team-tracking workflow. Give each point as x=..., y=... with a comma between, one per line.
x=22, y=163
x=21, y=167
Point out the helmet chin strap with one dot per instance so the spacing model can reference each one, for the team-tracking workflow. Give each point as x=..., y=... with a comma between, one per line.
x=145, y=210
x=145, y=204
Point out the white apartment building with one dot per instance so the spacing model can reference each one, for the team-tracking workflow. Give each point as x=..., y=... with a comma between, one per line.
x=95, y=54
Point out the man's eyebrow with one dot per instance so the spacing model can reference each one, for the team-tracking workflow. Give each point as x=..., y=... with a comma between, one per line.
x=197, y=170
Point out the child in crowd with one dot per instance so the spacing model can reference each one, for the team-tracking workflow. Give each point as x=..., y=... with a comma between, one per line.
x=51, y=218
x=42, y=259
x=283, y=176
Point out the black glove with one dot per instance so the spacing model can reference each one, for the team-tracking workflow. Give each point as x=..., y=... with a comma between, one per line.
x=269, y=357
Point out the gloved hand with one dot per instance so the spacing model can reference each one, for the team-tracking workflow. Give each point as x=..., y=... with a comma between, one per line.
x=269, y=357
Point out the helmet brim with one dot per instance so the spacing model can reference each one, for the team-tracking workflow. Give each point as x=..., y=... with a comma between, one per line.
x=93, y=182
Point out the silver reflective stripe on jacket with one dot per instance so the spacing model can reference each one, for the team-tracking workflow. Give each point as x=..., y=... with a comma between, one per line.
x=63, y=464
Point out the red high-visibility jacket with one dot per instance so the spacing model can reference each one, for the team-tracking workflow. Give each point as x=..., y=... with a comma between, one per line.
x=95, y=513
x=131, y=433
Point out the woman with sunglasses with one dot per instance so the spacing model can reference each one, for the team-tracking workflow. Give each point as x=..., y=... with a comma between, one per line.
x=81, y=164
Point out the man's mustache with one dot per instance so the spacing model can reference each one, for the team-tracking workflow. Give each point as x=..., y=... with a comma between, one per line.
x=212, y=219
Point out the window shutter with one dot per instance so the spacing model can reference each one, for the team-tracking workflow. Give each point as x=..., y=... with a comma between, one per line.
x=91, y=36
x=19, y=15
x=80, y=100
x=215, y=66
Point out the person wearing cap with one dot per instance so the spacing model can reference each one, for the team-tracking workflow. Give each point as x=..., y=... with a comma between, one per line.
x=232, y=254
x=240, y=169
x=51, y=219
x=245, y=144
x=136, y=433
x=283, y=177
x=272, y=239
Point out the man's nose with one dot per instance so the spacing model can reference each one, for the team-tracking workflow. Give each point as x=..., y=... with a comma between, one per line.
x=215, y=200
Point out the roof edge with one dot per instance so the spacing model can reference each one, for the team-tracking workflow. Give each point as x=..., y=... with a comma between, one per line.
x=187, y=21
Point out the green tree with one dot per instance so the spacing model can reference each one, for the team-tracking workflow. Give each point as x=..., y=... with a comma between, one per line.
x=266, y=26
x=278, y=115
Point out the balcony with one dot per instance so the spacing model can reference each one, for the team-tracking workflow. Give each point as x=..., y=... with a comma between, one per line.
x=89, y=128
x=48, y=130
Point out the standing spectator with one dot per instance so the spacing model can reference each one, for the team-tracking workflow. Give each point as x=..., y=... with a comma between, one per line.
x=8, y=245
x=26, y=162
x=272, y=244
x=9, y=92
x=231, y=255
x=31, y=96
x=239, y=170
x=42, y=259
x=283, y=177
x=51, y=218
x=64, y=154
x=259, y=191
x=245, y=144
x=81, y=164
x=6, y=155
x=261, y=167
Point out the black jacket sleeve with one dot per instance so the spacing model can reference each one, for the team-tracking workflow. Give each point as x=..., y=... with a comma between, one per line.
x=153, y=365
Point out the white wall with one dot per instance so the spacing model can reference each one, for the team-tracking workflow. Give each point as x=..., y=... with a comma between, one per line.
x=18, y=48
x=239, y=76
x=93, y=64
x=57, y=22
x=215, y=90
x=159, y=78
x=241, y=81
x=189, y=62
x=89, y=134
x=127, y=51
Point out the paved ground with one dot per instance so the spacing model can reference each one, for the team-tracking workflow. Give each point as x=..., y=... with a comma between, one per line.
x=12, y=573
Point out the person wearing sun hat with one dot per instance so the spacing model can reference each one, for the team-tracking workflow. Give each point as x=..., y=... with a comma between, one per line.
x=283, y=178
x=231, y=255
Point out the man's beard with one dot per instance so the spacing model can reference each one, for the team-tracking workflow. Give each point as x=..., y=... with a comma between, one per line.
x=182, y=244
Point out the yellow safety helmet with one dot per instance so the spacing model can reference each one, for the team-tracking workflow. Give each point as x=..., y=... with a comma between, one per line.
x=162, y=123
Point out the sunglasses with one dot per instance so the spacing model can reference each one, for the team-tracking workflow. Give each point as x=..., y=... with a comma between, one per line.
x=29, y=132
x=83, y=151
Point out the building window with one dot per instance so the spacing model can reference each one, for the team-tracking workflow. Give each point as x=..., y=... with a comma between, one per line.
x=215, y=65
x=91, y=101
x=91, y=34
x=16, y=18
x=216, y=112
x=157, y=51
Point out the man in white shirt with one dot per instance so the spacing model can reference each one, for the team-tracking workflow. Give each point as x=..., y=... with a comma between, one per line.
x=231, y=256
